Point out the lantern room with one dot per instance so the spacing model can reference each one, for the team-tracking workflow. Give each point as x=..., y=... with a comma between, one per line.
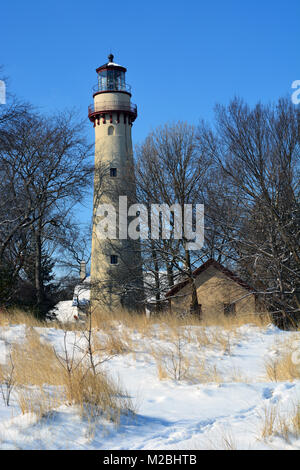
x=112, y=96
x=111, y=77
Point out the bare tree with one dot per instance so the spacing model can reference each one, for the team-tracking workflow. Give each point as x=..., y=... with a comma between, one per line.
x=171, y=169
x=258, y=152
x=45, y=171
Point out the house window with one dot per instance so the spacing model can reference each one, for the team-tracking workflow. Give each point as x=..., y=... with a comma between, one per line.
x=111, y=130
x=229, y=309
x=113, y=172
x=113, y=259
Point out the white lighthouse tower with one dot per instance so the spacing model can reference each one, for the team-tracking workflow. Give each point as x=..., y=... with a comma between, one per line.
x=116, y=274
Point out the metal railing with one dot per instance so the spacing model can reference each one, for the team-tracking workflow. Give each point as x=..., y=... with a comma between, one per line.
x=112, y=87
x=108, y=106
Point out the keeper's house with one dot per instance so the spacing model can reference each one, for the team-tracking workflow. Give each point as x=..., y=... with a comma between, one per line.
x=219, y=291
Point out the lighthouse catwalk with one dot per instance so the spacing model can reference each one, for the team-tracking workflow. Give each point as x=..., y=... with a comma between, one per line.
x=116, y=272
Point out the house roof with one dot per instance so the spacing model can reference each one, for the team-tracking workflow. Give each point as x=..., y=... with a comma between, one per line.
x=201, y=269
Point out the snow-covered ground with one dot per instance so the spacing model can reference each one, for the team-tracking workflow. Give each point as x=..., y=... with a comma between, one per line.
x=171, y=414
x=70, y=310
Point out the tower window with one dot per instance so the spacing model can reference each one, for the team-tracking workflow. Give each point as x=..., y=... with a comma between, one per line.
x=113, y=172
x=113, y=259
x=111, y=130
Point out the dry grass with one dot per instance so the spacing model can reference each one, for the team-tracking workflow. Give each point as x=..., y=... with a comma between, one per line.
x=171, y=363
x=275, y=422
x=283, y=367
x=165, y=325
x=97, y=395
x=269, y=417
x=180, y=353
x=161, y=370
x=228, y=442
x=171, y=358
x=176, y=361
x=7, y=380
x=224, y=440
x=115, y=345
x=35, y=362
x=37, y=365
x=229, y=322
x=296, y=420
x=216, y=339
x=107, y=320
x=40, y=402
x=203, y=339
x=219, y=333
x=204, y=373
x=16, y=316
x=138, y=322
x=94, y=395
x=238, y=376
x=288, y=424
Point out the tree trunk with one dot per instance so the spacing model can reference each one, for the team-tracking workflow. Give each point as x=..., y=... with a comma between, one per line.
x=38, y=268
x=194, y=305
x=156, y=276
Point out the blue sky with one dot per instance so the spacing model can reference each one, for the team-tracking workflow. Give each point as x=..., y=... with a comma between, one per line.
x=182, y=56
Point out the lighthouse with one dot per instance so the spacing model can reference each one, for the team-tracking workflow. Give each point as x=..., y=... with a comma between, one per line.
x=116, y=272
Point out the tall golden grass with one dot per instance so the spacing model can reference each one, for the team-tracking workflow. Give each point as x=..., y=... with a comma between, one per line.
x=275, y=421
x=37, y=363
x=16, y=316
x=106, y=320
x=283, y=367
x=37, y=366
x=39, y=401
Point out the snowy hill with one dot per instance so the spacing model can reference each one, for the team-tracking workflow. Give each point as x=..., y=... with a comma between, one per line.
x=223, y=399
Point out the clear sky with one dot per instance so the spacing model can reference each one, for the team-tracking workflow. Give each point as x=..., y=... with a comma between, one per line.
x=182, y=56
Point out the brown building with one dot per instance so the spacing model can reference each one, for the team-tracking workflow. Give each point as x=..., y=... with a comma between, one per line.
x=219, y=291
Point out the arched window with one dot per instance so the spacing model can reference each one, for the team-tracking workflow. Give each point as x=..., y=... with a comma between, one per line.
x=111, y=130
